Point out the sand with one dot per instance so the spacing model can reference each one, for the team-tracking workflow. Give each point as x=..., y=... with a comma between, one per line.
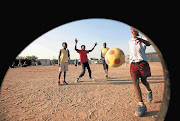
x=32, y=93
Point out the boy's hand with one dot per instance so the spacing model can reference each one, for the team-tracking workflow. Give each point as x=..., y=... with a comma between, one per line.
x=139, y=39
x=95, y=44
x=76, y=40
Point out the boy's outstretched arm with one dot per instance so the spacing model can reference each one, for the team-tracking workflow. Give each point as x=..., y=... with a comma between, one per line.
x=144, y=41
x=76, y=44
x=93, y=47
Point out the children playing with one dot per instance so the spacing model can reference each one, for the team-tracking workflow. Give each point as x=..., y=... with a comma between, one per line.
x=64, y=55
x=84, y=60
x=103, y=53
x=139, y=68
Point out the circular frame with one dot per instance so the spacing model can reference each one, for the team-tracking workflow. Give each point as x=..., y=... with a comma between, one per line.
x=166, y=97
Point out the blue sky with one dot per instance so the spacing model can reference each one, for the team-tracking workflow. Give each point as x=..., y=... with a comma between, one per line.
x=87, y=31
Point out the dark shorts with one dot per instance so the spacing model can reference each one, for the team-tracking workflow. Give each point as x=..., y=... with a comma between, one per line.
x=141, y=70
x=105, y=65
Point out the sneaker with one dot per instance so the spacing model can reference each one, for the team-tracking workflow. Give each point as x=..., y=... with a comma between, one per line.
x=149, y=96
x=59, y=83
x=64, y=82
x=106, y=76
x=77, y=80
x=92, y=79
x=141, y=110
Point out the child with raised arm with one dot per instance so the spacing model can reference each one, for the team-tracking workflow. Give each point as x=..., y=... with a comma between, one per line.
x=84, y=60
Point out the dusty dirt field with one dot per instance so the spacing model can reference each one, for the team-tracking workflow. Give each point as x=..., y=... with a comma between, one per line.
x=32, y=93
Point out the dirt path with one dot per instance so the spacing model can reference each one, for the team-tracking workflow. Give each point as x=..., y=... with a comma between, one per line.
x=32, y=93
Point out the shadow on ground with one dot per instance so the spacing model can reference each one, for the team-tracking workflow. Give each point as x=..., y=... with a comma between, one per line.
x=114, y=82
x=151, y=113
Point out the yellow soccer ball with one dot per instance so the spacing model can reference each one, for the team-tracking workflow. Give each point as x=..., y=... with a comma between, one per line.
x=114, y=57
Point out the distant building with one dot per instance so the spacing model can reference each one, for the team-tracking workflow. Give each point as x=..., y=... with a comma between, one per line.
x=54, y=61
x=95, y=61
x=151, y=57
x=44, y=61
x=71, y=61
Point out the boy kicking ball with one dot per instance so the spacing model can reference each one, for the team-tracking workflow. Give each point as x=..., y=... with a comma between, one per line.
x=139, y=68
x=84, y=60
x=63, y=62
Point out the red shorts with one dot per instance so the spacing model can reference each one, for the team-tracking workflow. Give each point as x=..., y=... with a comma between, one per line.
x=141, y=70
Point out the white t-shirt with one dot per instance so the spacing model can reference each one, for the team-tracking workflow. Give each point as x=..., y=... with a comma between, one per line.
x=136, y=51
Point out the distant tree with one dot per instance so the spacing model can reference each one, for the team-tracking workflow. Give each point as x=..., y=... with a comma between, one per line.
x=33, y=57
x=20, y=57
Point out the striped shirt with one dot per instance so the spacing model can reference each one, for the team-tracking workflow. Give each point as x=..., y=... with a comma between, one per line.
x=136, y=51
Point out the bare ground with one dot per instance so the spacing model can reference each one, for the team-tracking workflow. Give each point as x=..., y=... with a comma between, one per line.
x=32, y=93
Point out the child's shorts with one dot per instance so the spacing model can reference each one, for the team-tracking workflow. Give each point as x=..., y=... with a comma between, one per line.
x=63, y=66
x=140, y=70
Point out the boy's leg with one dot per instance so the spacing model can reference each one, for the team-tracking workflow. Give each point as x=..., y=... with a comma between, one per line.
x=106, y=70
x=64, y=82
x=83, y=70
x=149, y=91
x=82, y=73
x=59, y=77
x=89, y=70
x=135, y=74
x=141, y=106
x=146, y=84
x=65, y=69
x=64, y=76
x=104, y=67
x=137, y=89
x=145, y=71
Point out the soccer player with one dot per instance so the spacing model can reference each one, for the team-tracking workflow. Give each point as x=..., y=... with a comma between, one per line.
x=64, y=55
x=84, y=60
x=139, y=69
x=103, y=53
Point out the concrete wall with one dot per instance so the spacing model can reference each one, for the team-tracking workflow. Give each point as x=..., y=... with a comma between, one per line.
x=45, y=61
x=152, y=57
